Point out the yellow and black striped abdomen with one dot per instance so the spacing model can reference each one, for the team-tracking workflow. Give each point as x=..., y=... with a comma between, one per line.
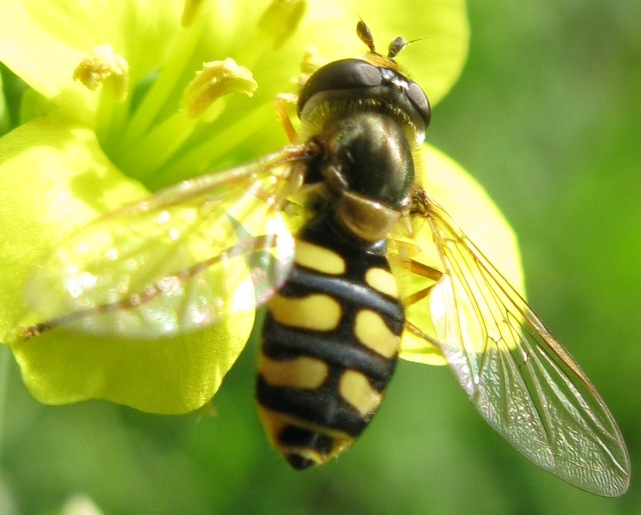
x=330, y=344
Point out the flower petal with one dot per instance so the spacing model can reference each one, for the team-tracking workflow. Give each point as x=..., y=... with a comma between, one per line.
x=171, y=376
x=42, y=60
x=54, y=177
x=474, y=211
x=44, y=42
x=434, y=62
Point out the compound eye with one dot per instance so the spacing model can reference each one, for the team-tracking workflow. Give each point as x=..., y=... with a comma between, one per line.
x=343, y=74
x=419, y=100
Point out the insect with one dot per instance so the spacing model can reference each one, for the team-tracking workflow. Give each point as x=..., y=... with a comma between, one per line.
x=329, y=235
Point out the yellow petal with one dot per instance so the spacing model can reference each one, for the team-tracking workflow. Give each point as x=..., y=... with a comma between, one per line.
x=54, y=178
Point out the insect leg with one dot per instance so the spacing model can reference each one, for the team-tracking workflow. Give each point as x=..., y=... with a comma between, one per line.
x=422, y=270
x=281, y=101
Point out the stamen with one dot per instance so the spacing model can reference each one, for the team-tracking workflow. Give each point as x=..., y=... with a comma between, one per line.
x=214, y=80
x=191, y=11
x=103, y=66
x=281, y=19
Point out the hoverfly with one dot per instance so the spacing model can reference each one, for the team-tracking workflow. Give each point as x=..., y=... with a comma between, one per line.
x=340, y=306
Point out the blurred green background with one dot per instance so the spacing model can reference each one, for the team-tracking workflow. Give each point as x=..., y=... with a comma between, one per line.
x=547, y=115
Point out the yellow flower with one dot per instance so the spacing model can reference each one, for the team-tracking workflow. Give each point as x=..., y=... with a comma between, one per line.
x=125, y=97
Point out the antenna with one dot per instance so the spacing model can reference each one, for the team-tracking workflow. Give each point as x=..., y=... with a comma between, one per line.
x=395, y=47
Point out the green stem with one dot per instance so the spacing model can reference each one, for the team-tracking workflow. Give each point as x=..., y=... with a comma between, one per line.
x=148, y=154
x=220, y=144
x=155, y=100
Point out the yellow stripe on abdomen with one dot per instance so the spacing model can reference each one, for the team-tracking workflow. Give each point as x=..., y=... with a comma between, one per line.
x=303, y=372
x=372, y=331
x=355, y=389
x=315, y=312
x=382, y=281
x=319, y=258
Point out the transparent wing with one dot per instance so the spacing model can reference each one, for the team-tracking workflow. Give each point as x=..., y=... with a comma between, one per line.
x=182, y=259
x=417, y=267
x=519, y=378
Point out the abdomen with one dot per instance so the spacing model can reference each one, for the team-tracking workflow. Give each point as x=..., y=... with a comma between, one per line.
x=329, y=346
